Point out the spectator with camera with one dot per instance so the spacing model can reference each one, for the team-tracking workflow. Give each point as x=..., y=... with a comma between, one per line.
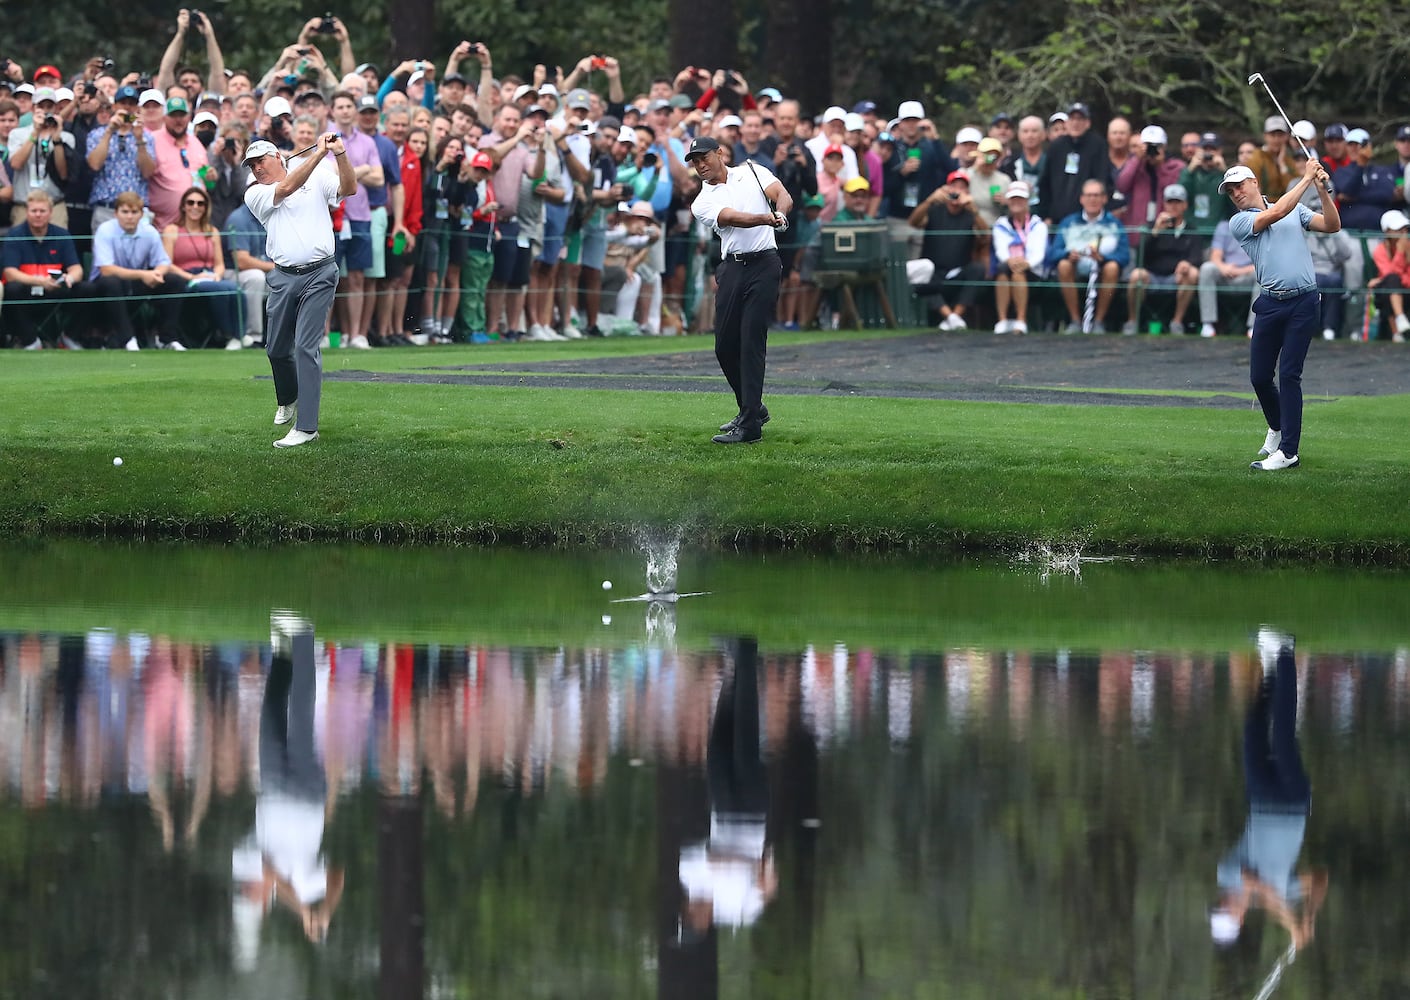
x=1144, y=179
x=954, y=231
x=1171, y=252
x=355, y=249
x=41, y=270
x=122, y=157
x=1088, y=240
x=130, y=264
x=232, y=174
x=91, y=112
x=1365, y=189
x=1201, y=178
x=508, y=146
x=168, y=74
x=39, y=160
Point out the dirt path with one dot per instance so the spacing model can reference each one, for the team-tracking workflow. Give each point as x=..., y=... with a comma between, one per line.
x=1034, y=369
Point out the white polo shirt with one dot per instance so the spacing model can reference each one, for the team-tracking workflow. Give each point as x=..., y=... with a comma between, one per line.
x=740, y=191
x=299, y=227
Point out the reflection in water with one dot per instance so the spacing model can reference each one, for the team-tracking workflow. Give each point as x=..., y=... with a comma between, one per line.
x=835, y=821
x=1259, y=872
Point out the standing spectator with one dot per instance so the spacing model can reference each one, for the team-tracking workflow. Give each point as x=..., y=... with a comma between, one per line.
x=830, y=182
x=1201, y=178
x=400, y=251
x=479, y=247
x=414, y=149
x=355, y=250
x=1057, y=126
x=796, y=170
x=387, y=204
x=1073, y=159
x=444, y=245
x=868, y=159
x=1026, y=163
x=179, y=159
x=602, y=192
x=1366, y=189
x=966, y=146
x=916, y=166
x=1402, y=150
x=36, y=254
x=1171, y=252
x=39, y=161
x=991, y=182
x=1001, y=128
x=167, y=74
x=122, y=157
x=1334, y=154
x=1118, y=147
x=1273, y=164
x=129, y=264
x=752, y=145
x=1020, y=246
x=1092, y=239
x=249, y=253
x=834, y=133
x=193, y=246
x=151, y=105
x=92, y=114
x=9, y=119
x=1143, y=179
x=1392, y=260
x=952, y=230
x=856, y=201
x=232, y=175
x=1228, y=265
x=508, y=147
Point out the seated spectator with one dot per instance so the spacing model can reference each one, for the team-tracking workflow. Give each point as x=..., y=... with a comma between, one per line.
x=953, y=232
x=986, y=178
x=1201, y=177
x=856, y=201
x=630, y=269
x=39, y=160
x=1365, y=190
x=804, y=276
x=1171, y=252
x=1087, y=240
x=1019, y=249
x=37, y=254
x=1228, y=266
x=1144, y=177
x=1337, y=264
x=122, y=157
x=1273, y=165
x=193, y=246
x=249, y=252
x=1392, y=260
x=129, y=265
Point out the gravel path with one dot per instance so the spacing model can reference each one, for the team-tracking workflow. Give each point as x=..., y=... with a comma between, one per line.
x=969, y=366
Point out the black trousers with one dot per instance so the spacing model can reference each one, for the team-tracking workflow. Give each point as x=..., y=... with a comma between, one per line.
x=120, y=294
x=26, y=312
x=960, y=290
x=745, y=303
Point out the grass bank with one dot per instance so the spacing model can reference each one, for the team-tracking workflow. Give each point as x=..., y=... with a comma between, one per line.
x=558, y=466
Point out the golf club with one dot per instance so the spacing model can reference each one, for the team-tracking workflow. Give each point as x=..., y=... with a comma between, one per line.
x=767, y=201
x=306, y=149
x=1258, y=78
x=1089, y=308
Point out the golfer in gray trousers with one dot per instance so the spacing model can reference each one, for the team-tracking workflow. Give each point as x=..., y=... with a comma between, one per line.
x=294, y=208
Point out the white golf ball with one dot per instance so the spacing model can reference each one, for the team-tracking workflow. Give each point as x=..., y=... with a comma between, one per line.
x=607, y=619
x=606, y=584
x=117, y=461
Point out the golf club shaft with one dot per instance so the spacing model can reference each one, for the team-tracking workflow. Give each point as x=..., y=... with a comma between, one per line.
x=767, y=201
x=1269, y=89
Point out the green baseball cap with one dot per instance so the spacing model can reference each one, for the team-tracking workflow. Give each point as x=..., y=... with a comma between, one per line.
x=177, y=106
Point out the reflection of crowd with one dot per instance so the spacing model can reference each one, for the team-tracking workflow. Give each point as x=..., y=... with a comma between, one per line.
x=178, y=722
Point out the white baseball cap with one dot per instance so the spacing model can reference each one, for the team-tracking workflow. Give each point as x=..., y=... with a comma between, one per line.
x=729, y=120
x=834, y=114
x=152, y=96
x=1154, y=134
x=205, y=116
x=25, y=88
x=416, y=77
x=259, y=149
x=1057, y=116
x=523, y=90
x=627, y=134
x=1018, y=189
x=1393, y=220
x=1235, y=175
x=276, y=106
x=1304, y=130
x=968, y=134
x=63, y=94
x=910, y=109
x=1357, y=135
x=1275, y=123
x=855, y=122
x=549, y=89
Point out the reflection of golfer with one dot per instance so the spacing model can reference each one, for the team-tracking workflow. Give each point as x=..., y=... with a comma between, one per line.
x=729, y=878
x=1259, y=870
x=1287, y=313
x=282, y=859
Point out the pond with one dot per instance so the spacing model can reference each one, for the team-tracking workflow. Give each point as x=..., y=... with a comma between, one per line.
x=354, y=772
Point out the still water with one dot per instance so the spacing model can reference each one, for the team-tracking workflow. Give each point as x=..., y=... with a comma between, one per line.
x=351, y=773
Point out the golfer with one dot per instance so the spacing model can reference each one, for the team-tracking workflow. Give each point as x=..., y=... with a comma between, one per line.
x=1287, y=312
x=293, y=208
x=735, y=202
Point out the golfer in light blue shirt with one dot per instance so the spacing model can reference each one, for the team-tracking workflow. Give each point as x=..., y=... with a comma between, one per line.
x=1288, y=312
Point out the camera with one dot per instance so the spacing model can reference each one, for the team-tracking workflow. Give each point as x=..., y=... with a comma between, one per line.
x=1152, y=150
x=599, y=63
x=953, y=196
x=196, y=19
x=303, y=50
x=732, y=79
x=51, y=121
x=1207, y=156
x=476, y=48
x=230, y=144
x=649, y=160
x=327, y=26
x=90, y=89
x=108, y=64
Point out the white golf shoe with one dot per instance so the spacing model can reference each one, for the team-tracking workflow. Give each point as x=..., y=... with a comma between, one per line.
x=295, y=438
x=1274, y=462
x=1271, y=441
x=285, y=414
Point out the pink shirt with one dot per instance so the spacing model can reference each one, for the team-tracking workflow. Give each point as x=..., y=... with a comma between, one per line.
x=194, y=252
x=508, y=174
x=1386, y=264
x=173, y=176
x=830, y=187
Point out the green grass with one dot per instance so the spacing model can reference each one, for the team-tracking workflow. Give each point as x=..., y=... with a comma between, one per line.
x=448, y=463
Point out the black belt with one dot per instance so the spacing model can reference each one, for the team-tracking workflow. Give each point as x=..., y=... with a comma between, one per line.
x=304, y=268
x=103, y=204
x=1281, y=295
x=745, y=258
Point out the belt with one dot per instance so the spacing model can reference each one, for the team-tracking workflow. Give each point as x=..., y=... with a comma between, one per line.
x=745, y=258
x=103, y=204
x=304, y=268
x=1281, y=295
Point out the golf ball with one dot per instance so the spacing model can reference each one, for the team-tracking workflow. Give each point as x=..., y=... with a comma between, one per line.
x=117, y=461
x=607, y=619
x=606, y=584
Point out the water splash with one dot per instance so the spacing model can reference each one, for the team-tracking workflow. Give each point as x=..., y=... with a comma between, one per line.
x=1059, y=558
x=661, y=563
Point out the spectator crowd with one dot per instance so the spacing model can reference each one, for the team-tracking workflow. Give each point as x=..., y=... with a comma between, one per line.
x=497, y=207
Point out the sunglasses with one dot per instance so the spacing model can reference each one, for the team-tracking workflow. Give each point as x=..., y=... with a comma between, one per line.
x=198, y=202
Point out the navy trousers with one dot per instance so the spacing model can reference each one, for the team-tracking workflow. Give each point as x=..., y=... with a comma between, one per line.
x=1282, y=331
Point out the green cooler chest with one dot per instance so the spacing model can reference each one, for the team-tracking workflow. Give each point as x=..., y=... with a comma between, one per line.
x=848, y=246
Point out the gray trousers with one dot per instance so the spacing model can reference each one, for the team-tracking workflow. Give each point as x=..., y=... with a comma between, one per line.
x=1210, y=281
x=296, y=316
